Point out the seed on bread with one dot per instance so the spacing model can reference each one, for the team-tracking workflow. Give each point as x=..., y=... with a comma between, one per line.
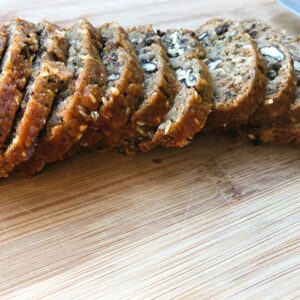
x=113, y=77
x=297, y=65
x=174, y=45
x=189, y=77
x=213, y=63
x=149, y=67
x=221, y=29
x=272, y=52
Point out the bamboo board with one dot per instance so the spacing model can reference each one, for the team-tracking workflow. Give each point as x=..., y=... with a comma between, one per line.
x=219, y=219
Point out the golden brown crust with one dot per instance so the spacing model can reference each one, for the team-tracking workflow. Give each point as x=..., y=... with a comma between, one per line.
x=294, y=113
x=76, y=105
x=48, y=75
x=16, y=70
x=3, y=39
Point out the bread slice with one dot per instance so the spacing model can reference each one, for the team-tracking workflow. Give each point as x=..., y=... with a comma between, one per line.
x=159, y=87
x=293, y=45
x=76, y=105
x=287, y=132
x=15, y=71
x=282, y=84
x=237, y=70
x=160, y=84
x=123, y=94
x=48, y=76
x=192, y=102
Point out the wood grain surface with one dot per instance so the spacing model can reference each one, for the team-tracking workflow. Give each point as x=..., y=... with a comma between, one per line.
x=219, y=219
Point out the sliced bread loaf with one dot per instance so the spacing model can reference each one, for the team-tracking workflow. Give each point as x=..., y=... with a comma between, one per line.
x=75, y=105
x=237, y=70
x=16, y=65
x=192, y=102
x=48, y=75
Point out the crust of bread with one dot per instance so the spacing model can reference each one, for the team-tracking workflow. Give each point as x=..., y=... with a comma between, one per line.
x=3, y=39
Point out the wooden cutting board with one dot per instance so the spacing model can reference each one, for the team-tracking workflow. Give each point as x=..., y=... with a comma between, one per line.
x=219, y=219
